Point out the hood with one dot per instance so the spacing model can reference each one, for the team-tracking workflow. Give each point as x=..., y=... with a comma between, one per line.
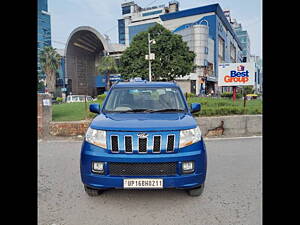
x=143, y=121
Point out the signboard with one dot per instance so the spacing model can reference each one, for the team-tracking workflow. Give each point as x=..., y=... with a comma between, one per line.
x=236, y=74
x=115, y=77
x=46, y=102
x=152, y=56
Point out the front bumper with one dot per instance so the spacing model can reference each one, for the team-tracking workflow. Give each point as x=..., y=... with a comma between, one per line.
x=195, y=152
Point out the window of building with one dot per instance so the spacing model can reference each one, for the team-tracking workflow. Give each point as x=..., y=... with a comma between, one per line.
x=125, y=10
x=232, y=53
x=152, y=13
x=206, y=50
x=221, y=46
x=121, y=28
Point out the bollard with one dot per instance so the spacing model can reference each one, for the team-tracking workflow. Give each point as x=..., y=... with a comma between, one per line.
x=44, y=114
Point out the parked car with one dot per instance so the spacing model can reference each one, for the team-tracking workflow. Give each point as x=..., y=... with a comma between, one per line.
x=78, y=98
x=144, y=137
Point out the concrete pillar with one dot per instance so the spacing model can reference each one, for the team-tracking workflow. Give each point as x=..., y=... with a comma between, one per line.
x=44, y=114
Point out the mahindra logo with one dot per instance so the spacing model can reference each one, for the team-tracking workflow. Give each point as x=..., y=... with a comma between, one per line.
x=240, y=68
x=142, y=135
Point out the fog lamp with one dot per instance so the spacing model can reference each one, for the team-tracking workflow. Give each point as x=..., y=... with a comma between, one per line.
x=98, y=167
x=188, y=167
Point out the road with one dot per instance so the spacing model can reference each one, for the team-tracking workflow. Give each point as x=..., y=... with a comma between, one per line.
x=232, y=195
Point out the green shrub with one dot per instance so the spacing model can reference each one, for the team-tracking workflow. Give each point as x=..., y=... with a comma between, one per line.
x=190, y=95
x=226, y=94
x=229, y=95
x=101, y=97
x=248, y=89
x=59, y=99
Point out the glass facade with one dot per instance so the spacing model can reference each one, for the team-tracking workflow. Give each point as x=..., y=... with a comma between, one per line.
x=134, y=30
x=221, y=46
x=44, y=30
x=43, y=5
x=232, y=53
x=152, y=13
x=121, y=27
x=245, y=42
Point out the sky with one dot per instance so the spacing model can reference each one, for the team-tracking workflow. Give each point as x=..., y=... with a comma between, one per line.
x=103, y=15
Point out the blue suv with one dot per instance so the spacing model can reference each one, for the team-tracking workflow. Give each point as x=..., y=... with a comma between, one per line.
x=144, y=137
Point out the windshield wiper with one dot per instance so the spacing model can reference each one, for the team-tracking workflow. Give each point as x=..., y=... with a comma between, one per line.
x=168, y=110
x=138, y=110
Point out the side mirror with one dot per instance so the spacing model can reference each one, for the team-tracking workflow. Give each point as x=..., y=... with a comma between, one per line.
x=195, y=107
x=95, y=108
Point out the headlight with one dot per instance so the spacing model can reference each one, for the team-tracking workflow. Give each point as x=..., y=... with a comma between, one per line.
x=188, y=137
x=96, y=137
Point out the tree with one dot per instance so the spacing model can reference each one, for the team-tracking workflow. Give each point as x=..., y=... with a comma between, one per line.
x=50, y=61
x=41, y=86
x=172, y=56
x=107, y=65
x=248, y=89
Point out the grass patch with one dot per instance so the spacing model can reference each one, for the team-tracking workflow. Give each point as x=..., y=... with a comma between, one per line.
x=71, y=111
x=225, y=106
x=210, y=107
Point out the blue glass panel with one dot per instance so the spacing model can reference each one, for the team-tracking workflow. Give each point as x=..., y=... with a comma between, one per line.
x=121, y=28
x=134, y=30
x=152, y=13
x=125, y=10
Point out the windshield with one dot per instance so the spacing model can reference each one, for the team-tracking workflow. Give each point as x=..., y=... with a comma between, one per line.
x=145, y=100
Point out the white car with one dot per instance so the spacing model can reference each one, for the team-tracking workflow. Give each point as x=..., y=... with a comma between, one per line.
x=78, y=98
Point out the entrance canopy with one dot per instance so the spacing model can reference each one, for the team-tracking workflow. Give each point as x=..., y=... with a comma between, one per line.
x=84, y=48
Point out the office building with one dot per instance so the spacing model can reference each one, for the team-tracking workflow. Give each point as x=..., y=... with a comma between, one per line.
x=258, y=87
x=205, y=29
x=136, y=19
x=242, y=35
x=44, y=30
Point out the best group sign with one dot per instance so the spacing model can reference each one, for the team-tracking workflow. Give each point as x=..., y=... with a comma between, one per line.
x=236, y=74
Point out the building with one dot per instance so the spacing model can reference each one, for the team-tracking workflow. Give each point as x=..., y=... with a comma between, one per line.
x=205, y=29
x=242, y=35
x=84, y=48
x=44, y=30
x=258, y=73
x=136, y=19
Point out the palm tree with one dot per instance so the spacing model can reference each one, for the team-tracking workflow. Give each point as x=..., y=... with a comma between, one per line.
x=50, y=61
x=107, y=65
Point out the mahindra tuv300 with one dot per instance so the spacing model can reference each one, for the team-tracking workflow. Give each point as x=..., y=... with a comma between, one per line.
x=144, y=137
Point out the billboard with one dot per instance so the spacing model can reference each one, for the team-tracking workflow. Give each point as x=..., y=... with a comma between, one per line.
x=236, y=74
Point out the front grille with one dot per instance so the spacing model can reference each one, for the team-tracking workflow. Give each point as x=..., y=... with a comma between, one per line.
x=153, y=143
x=142, y=169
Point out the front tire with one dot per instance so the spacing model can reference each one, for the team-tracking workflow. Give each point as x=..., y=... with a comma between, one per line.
x=196, y=191
x=92, y=192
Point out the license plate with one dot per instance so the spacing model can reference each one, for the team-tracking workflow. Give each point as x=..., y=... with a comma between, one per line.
x=143, y=183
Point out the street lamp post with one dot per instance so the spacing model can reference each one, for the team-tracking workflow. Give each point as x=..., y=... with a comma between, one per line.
x=150, y=55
